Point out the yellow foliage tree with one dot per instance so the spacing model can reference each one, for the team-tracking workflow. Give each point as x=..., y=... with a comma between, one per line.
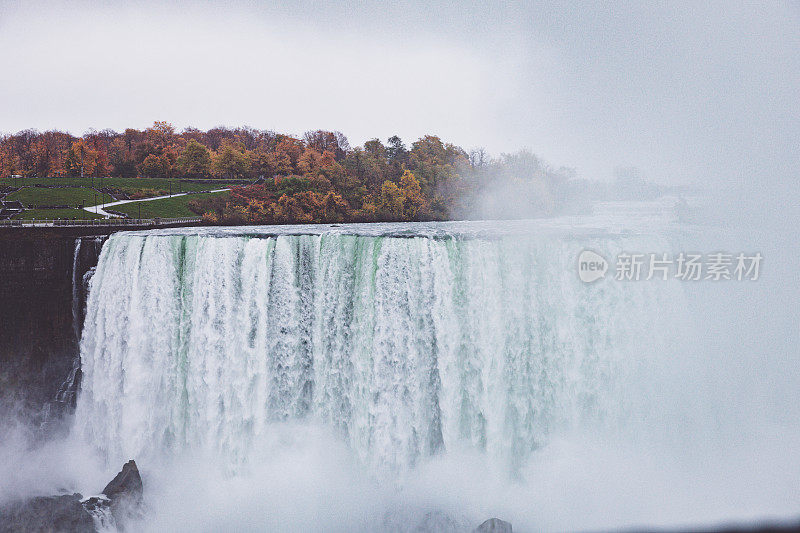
x=391, y=201
x=411, y=191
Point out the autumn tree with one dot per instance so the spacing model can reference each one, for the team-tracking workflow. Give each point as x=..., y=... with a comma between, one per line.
x=327, y=141
x=82, y=160
x=375, y=162
x=391, y=200
x=22, y=153
x=247, y=137
x=309, y=161
x=287, y=154
x=6, y=160
x=121, y=156
x=49, y=149
x=413, y=200
x=318, y=177
x=263, y=162
x=160, y=134
x=335, y=208
x=214, y=137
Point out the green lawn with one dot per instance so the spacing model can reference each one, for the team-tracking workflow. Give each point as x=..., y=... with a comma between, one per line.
x=142, y=193
x=76, y=196
x=48, y=214
x=122, y=183
x=165, y=208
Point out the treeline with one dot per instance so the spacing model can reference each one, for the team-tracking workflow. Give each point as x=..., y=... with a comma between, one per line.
x=318, y=177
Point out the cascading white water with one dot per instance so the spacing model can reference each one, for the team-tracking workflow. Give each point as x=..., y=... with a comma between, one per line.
x=76, y=300
x=67, y=391
x=406, y=347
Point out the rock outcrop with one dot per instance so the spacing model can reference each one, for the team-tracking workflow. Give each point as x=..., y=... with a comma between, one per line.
x=47, y=513
x=494, y=525
x=124, y=492
x=71, y=513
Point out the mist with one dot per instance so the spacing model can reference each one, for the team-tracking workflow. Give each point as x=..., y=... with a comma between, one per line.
x=706, y=435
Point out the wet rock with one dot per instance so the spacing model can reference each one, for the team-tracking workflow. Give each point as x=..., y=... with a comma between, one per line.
x=128, y=483
x=48, y=513
x=100, y=509
x=120, y=500
x=494, y=525
x=124, y=492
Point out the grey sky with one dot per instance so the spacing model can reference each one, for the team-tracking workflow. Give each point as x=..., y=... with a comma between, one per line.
x=689, y=92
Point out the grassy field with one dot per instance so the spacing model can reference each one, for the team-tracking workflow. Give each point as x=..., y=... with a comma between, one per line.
x=166, y=208
x=48, y=214
x=121, y=183
x=62, y=196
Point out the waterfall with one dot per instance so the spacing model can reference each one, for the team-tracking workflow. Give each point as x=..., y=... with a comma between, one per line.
x=66, y=395
x=76, y=291
x=405, y=346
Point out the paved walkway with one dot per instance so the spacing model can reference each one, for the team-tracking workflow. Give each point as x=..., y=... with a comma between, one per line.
x=99, y=208
x=115, y=223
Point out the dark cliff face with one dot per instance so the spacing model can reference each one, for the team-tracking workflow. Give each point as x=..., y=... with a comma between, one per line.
x=38, y=338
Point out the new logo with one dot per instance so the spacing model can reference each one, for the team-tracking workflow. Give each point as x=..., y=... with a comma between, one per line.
x=591, y=266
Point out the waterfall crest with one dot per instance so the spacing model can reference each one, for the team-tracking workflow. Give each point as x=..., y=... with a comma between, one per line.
x=405, y=347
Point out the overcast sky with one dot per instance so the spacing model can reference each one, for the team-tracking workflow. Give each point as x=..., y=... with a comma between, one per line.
x=689, y=92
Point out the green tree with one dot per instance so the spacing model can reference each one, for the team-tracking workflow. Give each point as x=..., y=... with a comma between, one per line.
x=154, y=166
x=195, y=160
x=397, y=155
x=231, y=162
x=396, y=150
x=435, y=162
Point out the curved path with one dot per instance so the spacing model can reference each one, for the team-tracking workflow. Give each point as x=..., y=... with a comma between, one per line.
x=99, y=208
